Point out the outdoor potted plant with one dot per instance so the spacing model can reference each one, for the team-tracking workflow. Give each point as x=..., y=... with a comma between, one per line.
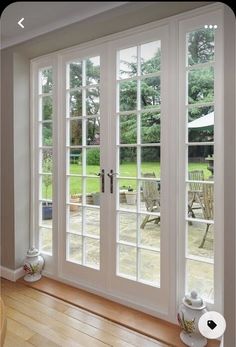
x=47, y=182
x=130, y=196
x=75, y=198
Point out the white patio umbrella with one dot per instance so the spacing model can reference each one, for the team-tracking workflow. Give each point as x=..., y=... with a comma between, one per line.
x=202, y=122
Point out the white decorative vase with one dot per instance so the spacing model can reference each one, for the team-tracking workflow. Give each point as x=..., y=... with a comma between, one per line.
x=189, y=314
x=33, y=265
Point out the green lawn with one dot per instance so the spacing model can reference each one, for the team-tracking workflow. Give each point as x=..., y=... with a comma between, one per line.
x=126, y=169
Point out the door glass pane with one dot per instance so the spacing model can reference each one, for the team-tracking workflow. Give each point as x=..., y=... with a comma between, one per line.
x=201, y=160
x=75, y=189
x=46, y=160
x=45, y=214
x=201, y=85
x=149, y=266
x=93, y=131
x=150, y=127
x=93, y=191
x=200, y=276
x=201, y=124
x=198, y=245
x=128, y=129
x=149, y=229
x=127, y=261
x=74, y=250
x=74, y=215
x=92, y=252
x=128, y=194
x=74, y=160
x=150, y=160
x=92, y=221
x=200, y=199
x=128, y=161
x=93, y=161
x=128, y=227
x=45, y=240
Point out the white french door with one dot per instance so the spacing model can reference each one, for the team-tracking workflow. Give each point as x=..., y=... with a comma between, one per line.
x=139, y=249
x=114, y=152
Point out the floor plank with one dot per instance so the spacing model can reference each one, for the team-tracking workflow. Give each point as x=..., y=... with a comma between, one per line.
x=37, y=319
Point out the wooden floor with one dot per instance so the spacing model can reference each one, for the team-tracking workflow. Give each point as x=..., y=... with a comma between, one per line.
x=37, y=319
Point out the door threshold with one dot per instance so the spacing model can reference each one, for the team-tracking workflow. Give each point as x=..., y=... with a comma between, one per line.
x=138, y=321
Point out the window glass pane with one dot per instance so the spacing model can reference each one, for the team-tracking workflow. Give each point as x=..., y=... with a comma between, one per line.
x=151, y=57
x=128, y=62
x=197, y=244
x=127, y=227
x=74, y=248
x=200, y=277
x=201, y=46
x=45, y=81
x=92, y=252
x=149, y=270
x=76, y=132
x=150, y=160
x=128, y=129
x=45, y=108
x=93, y=70
x=75, y=70
x=75, y=103
x=201, y=85
x=92, y=221
x=150, y=92
x=127, y=261
x=128, y=194
x=92, y=101
x=75, y=161
x=93, y=131
x=45, y=240
x=150, y=127
x=47, y=134
x=201, y=124
x=201, y=160
x=128, y=96
x=128, y=161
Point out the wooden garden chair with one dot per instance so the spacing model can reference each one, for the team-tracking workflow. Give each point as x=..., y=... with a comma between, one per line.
x=195, y=190
x=151, y=196
x=208, y=208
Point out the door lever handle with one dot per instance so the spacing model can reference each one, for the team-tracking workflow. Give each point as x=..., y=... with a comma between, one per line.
x=102, y=176
x=111, y=175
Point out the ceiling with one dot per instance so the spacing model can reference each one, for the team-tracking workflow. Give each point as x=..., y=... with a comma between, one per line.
x=43, y=17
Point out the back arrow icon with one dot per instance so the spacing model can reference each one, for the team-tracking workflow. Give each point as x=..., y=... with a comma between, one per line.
x=20, y=22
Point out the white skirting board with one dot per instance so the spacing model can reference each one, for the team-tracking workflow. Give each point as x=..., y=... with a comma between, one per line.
x=11, y=275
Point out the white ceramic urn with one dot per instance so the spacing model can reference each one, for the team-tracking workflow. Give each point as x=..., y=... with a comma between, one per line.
x=33, y=265
x=190, y=311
